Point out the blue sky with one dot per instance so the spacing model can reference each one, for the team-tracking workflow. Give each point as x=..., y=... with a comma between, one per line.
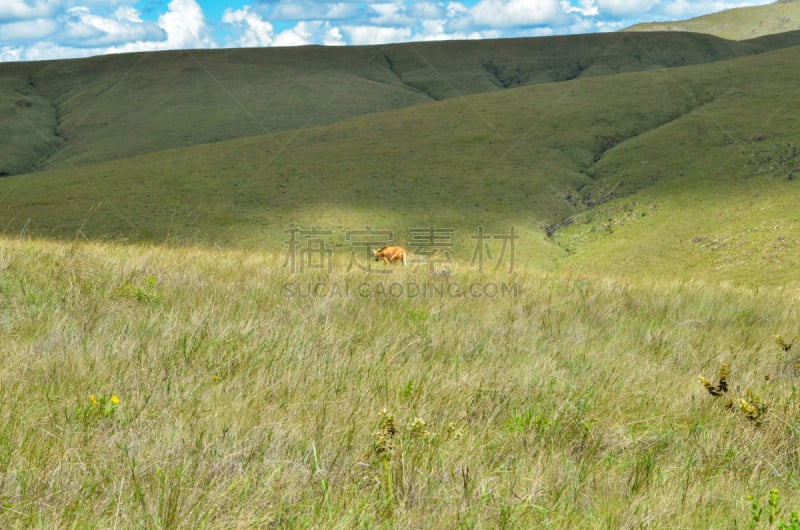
x=55, y=29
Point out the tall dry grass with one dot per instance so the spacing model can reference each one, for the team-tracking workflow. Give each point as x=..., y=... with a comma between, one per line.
x=566, y=402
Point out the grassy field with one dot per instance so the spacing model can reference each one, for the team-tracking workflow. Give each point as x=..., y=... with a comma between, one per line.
x=181, y=348
x=138, y=392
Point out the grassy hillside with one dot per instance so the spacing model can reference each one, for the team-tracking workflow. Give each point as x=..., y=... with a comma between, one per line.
x=28, y=124
x=718, y=199
x=739, y=23
x=607, y=165
x=174, y=388
x=505, y=158
x=68, y=113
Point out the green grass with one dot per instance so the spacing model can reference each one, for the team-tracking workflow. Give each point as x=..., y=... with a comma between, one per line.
x=573, y=402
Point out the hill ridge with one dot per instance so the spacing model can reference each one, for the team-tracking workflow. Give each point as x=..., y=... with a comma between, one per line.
x=738, y=23
x=171, y=99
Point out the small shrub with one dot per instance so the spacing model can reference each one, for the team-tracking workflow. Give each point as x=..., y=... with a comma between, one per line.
x=785, y=346
x=752, y=406
x=144, y=292
x=722, y=386
x=774, y=513
x=97, y=408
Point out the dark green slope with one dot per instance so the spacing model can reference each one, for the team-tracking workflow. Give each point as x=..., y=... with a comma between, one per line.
x=747, y=115
x=67, y=113
x=28, y=124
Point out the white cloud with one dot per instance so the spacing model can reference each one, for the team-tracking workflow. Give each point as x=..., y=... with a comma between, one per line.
x=127, y=13
x=297, y=36
x=625, y=8
x=297, y=11
x=86, y=30
x=436, y=30
x=333, y=37
x=21, y=9
x=40, y=51
x=310, y=10
x=427, y=11
x=185, y=25
x=10, y=53
x=682, y=9
x=253, y=30
x=390, y=14
x=582, y=25
x=341, y=11
x=605, y=27
x=364, y=35
x=585, y=8
x=310, y=32
x=546, y=31
x=456, y=9
x=27, y=30
x=83, y=33
x=515, y=13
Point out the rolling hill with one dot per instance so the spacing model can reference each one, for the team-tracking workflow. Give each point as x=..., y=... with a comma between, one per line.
x=738, y=23
x=639, y=164
x=68, y=113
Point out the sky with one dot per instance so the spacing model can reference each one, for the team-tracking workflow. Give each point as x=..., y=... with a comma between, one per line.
x=58, y=29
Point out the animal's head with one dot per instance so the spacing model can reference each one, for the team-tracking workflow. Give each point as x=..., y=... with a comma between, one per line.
x=378, y=253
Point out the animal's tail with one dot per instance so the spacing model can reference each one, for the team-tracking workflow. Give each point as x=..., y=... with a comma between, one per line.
x=405, y=258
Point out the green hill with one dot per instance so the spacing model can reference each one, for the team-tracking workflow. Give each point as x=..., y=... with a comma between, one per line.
x=737, y=23
x=68, y=113
x=626, y=169
x=712, y=193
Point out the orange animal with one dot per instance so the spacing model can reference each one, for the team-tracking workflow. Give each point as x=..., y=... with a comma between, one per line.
x=390, y=254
